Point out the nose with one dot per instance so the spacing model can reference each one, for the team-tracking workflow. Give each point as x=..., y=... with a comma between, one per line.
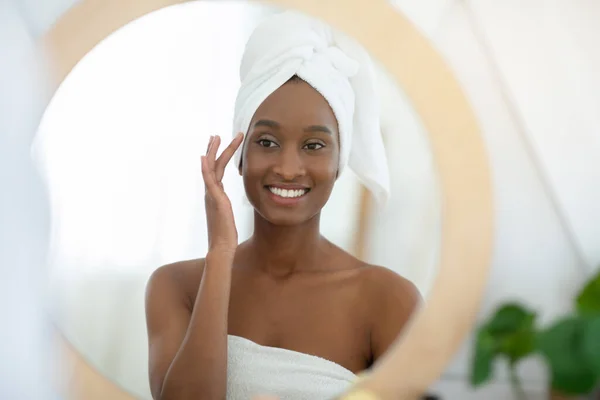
x=290, y=164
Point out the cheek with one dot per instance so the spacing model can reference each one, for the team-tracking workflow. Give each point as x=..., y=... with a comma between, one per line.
x=253, y=167
x=334, y=159
x=325, y=169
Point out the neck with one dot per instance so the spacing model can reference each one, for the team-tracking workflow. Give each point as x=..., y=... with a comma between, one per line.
x=283, y=250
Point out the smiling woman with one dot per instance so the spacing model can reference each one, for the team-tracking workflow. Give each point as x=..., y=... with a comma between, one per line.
x=287, y=288
x=265, y=289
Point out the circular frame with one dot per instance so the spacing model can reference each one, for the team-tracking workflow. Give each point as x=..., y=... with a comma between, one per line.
x=418, y=356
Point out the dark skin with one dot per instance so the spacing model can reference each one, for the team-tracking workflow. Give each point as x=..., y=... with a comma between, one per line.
x=287, y=286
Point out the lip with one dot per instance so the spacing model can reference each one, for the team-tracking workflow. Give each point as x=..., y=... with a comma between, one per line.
x=288, y=187
x=287, y=201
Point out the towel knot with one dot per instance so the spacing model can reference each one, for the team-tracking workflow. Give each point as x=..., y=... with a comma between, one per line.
x=337, y=59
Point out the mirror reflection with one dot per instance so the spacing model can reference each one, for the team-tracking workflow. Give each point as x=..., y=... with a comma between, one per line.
x=188, y=260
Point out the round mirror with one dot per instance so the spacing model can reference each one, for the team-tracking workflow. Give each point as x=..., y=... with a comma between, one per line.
x=119, y=148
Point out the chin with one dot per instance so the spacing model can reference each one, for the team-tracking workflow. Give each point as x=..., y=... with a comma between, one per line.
x=285, y=218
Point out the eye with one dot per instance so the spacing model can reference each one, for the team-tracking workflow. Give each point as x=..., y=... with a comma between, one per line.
x=314, y=146
x=266, y=143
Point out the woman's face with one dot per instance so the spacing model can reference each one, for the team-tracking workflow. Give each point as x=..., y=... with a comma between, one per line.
x=290, y=155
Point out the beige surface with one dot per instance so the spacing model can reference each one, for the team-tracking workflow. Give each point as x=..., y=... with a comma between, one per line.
x=80, y=381
x=420, y=356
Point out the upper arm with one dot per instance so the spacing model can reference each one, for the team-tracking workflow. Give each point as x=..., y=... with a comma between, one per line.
x=394, y=301
x=167, y=319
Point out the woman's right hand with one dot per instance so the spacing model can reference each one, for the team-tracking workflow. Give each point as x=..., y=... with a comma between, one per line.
x=222, y=233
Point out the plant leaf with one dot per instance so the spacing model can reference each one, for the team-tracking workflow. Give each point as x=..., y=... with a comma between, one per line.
x=575, y=383
x=510, y=318
x=513, y=328
x=591, y=343
x=481, y=367
x=588, y=300
x=562, y=346
x=518, y=345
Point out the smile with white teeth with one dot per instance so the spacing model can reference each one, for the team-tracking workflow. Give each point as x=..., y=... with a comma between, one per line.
x=287, y=193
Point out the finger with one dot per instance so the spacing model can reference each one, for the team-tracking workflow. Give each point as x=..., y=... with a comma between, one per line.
x=212, y=152
x=225, y=157
x=210, y=139
x=207, y=175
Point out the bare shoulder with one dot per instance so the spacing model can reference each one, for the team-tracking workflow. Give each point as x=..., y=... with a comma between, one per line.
x=380, y=284
x=383, y=284
x=179, y=278
x=392, y=300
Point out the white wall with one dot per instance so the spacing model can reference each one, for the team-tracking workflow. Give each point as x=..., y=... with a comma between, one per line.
x=526, y=68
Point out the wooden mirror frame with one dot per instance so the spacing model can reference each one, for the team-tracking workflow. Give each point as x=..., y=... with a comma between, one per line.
x=420, y=354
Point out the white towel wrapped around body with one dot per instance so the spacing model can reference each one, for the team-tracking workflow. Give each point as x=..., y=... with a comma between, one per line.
x=254, y=370
x=291, y=43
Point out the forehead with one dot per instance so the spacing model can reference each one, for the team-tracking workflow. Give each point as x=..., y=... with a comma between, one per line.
x=297, y=104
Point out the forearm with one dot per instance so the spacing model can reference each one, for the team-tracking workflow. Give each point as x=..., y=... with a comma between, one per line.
x=199, y=369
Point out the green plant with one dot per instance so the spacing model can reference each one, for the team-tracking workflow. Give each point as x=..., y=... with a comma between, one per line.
x=570, y=346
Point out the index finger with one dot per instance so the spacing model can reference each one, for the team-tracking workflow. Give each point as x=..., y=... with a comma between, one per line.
x=226, y=155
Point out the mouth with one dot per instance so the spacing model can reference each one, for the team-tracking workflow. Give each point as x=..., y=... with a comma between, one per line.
x=287, y=196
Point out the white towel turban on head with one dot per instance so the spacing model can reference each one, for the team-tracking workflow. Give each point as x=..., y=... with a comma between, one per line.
x=291, y=43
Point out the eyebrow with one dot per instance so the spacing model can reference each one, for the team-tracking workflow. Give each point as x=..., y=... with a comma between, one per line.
x=318, y=128
x=274, y=125
x=267, y=123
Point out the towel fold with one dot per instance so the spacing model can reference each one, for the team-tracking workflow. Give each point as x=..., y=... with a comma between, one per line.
x=291, y=43
x=254, y=370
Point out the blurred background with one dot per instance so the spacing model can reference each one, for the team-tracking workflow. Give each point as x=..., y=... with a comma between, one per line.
x=118, y=147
